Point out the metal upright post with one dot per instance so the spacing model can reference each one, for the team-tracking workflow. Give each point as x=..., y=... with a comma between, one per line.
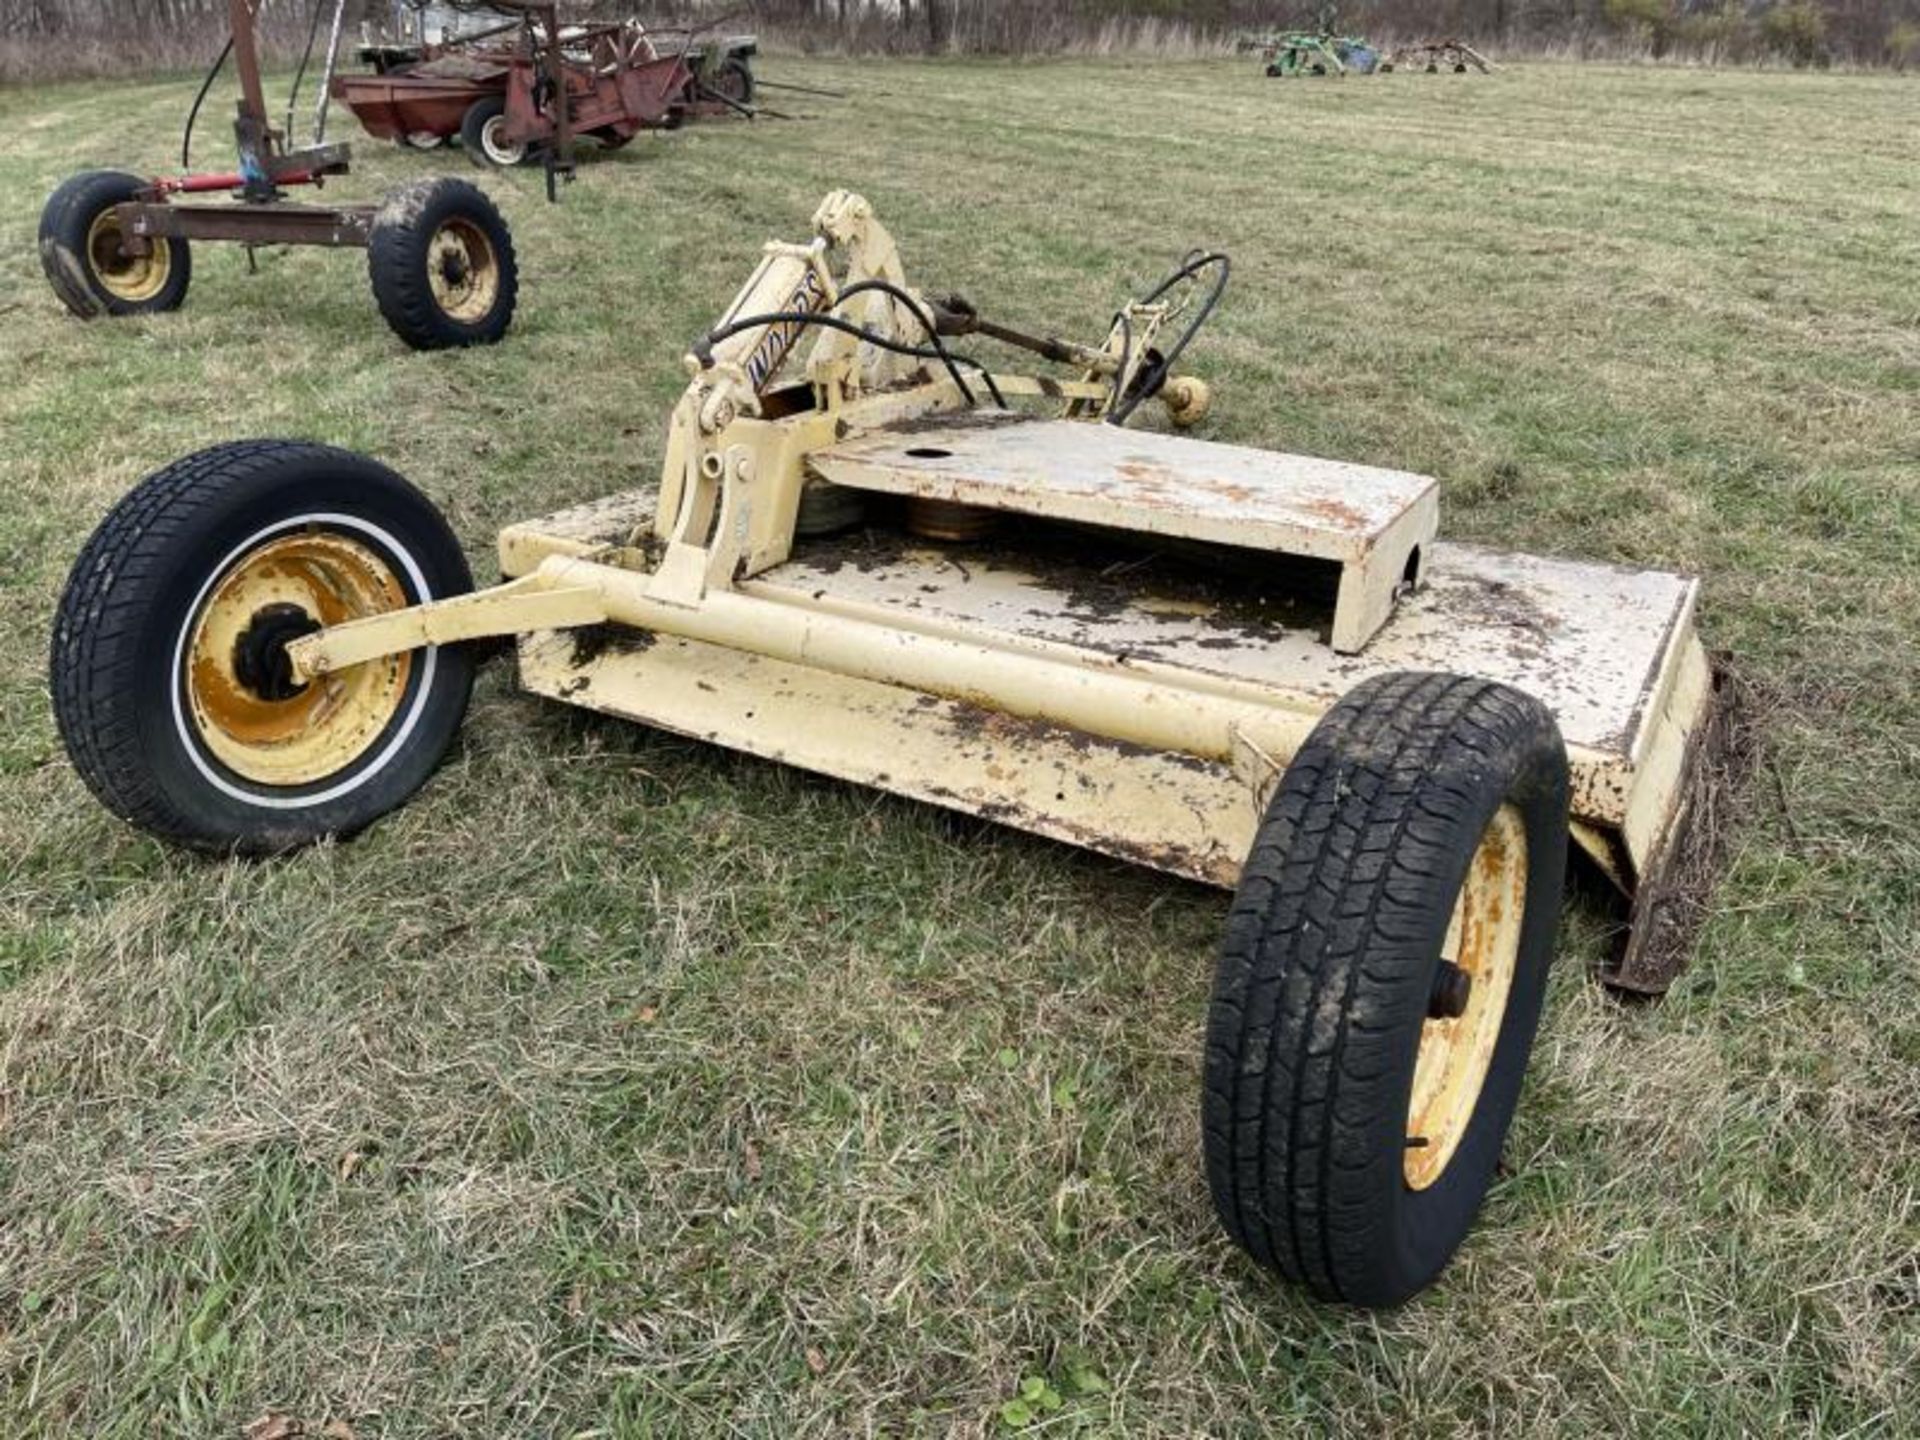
x=251, y=133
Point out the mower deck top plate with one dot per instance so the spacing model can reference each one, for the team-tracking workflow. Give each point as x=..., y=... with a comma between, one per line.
x=1590, y=640
x=1136, y=480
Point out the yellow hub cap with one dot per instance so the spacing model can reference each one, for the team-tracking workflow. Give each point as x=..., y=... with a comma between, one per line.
x=132, y=278
x=257, y=723
x=1483, y=940
x=464, y=271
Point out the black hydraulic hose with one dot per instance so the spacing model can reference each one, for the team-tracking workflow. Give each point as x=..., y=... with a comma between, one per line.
x=1154, y=376
x=186, y=135
x=300, y=71
x=939, y=344
x=703, y=351
x=937, y=351
x=1190, y=265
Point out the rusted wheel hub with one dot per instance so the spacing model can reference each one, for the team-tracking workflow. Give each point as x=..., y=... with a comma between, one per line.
x=463, y=270
x=126, y=276
x=246, y=709
x=260, y=660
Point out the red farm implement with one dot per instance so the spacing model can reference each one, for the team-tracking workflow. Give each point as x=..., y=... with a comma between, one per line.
x=534, y=85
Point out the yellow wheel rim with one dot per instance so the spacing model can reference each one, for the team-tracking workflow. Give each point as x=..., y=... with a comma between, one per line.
x=464, y=271
x=132, y=278
x=254, y=721
x=1483, y=940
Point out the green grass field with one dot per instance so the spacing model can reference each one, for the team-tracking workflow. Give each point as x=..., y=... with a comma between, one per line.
x=622, y=1086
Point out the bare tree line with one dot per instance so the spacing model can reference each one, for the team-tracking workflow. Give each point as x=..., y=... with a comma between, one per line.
x=81, y=36
x=56, y=18
x=42, y=39
x=1799, y=31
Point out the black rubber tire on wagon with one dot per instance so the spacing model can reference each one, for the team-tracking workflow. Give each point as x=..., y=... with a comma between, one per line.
x=442, y=265
x=1413, y=793
x=171, y=685
x=482, y=138
x=80, y=252
x=733, y=80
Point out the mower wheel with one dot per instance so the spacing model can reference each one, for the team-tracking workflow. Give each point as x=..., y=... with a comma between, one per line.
x=422, y=140
x=171, y=684
x=484, y=133
x=442, y=265
x=80, y=250
x=1380, y=981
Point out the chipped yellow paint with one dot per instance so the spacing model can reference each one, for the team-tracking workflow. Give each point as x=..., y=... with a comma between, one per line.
x=1483, y=939
x=326, y=725
x=1151, y=727
x=134, y=279
x=464, y=271
x=1149, y=807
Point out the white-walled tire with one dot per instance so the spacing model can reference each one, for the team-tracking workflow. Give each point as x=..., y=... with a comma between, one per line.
x=170, y=680
x=485, y=134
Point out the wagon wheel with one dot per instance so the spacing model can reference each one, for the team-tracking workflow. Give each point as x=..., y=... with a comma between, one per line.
x=731, y=81
x=172, y=686
x=442, y=265
x=423, y=140
x=611, y=139
x=485, y=133
x=1380, y=981
x=84, y=254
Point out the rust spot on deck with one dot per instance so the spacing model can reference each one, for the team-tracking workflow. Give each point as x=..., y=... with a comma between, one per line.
x=1337, y=512
x=1208, y=863
x=590, y=642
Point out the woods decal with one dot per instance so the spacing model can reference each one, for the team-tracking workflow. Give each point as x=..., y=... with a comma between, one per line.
x=779, y=339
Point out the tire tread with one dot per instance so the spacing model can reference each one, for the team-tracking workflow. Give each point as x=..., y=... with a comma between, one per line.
x=64, y=224
x=402, y=231
x=1322, y=930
